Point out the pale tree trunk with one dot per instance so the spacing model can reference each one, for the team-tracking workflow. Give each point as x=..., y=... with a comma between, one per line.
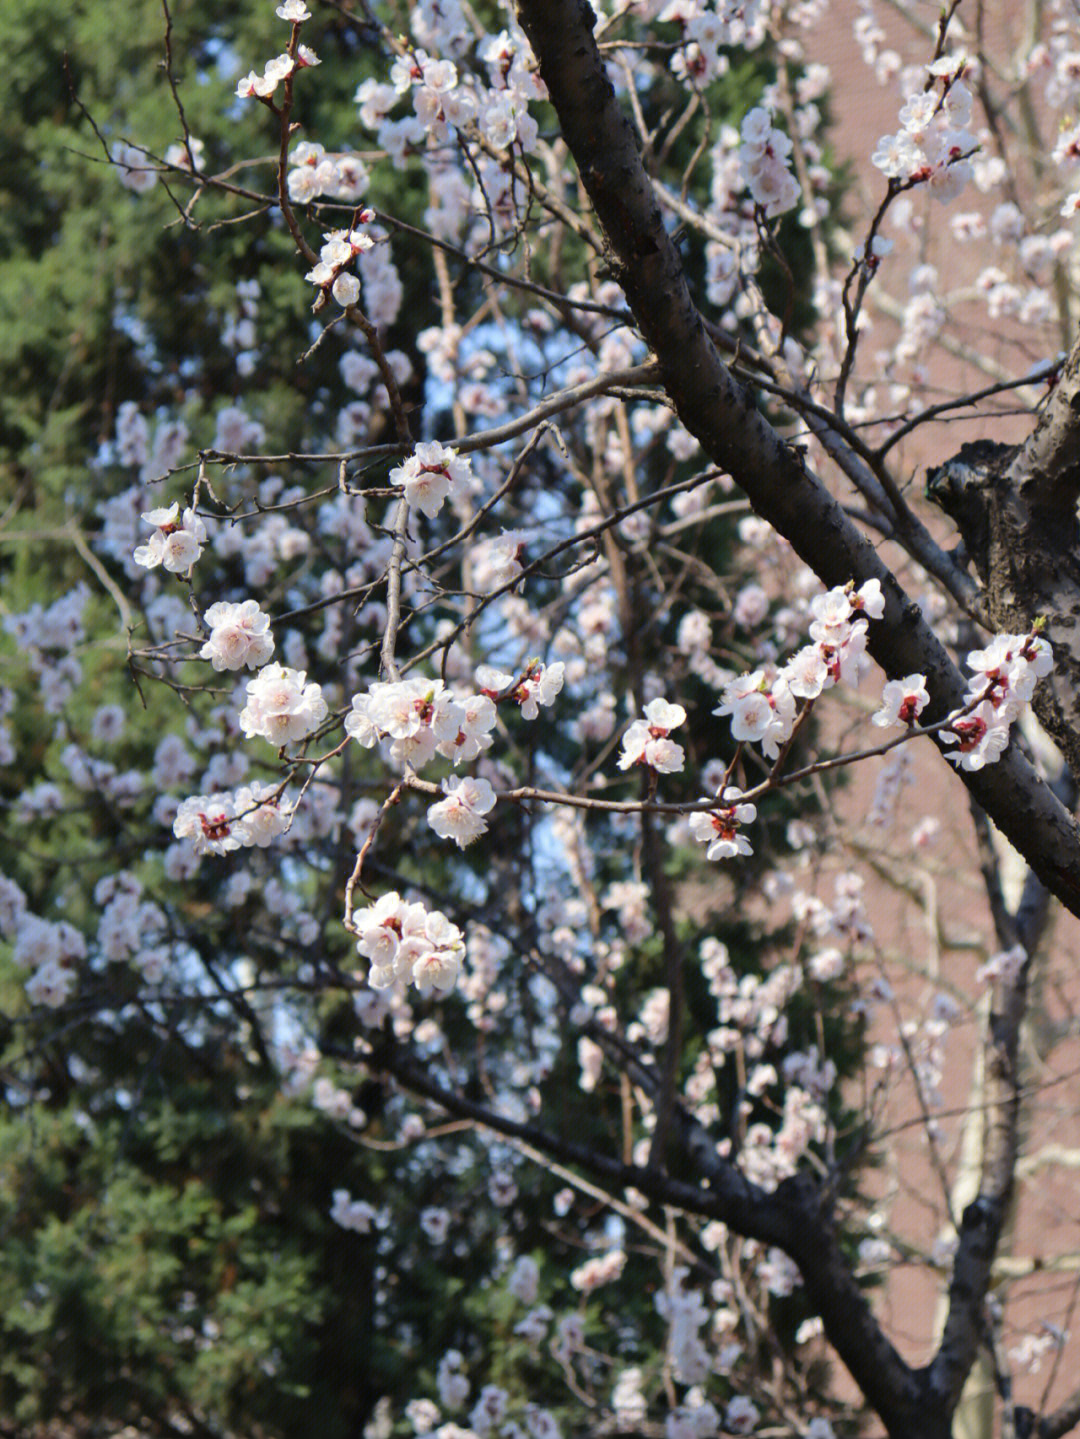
x=974, y=1417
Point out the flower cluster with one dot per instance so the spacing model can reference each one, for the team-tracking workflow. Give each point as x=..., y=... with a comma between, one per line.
x=340, y=249
x=282, y=706
x=438, y=100
x=423, y=719
x=685, y=1311
x=1005, y=675
x=356, y=1214
x=443, y=100
x=763, y=707
x=763, y=158
x=175, y=544
x=407, y=943
x=239, y=635
x=281, y=67
x=430, y=475
x=933, y=145
x=262, y=87
x=719, y=827
x=315, y=173
x=647, y=741
x=706, y=29
x=537, y=685
x=50, y=949
x=762, y=710
x=600, y=1270
x=218, y=823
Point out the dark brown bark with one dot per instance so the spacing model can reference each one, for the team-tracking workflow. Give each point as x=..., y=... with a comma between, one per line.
x=796, y=1217
x=1016, y=511
x=722, y=415
x=1053, y=1425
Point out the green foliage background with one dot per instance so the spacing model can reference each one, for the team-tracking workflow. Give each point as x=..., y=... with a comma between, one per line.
x=167, y=1259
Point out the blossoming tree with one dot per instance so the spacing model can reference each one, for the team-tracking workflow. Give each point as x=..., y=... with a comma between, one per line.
x=508, y=558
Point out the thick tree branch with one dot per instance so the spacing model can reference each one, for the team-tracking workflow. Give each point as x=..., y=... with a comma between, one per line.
x=732, y=1197
x=722, y=415
x=795, y=1217
x=1017, y=516
x=1054, y=1425
x=1049, y=461
x=724, y=419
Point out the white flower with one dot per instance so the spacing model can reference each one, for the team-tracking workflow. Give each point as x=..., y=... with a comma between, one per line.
x=524, y=1280
x=719, y=828
x=741, y=1415
x=458, y=816
x=763, y=157
x=379, y=928
x=595, y=1272
x=375, y=100
x=758, y=713
x=832, y=613
x=646, y=741
x=175, y=544
x=1007, y=670
x=430, y=475
x=50, y=986
x=435, y=1223
x=278, y=69
x=239, y=635
x=492, y=682
x=472, y=719
x=1004, y=966
x=879, y=248
x=452, y=1385
x=807, y=673
x=541, y=1423
x=133, y=169
x=902, y=701
x=422, y=718
x=282, y=706
x=359, y=724
x=663, y=715
x=634, y=741
x=868, y=597
x=981, y=737
x=539, y=687
x=827, y=964
x=756, y=126
x=346, y=290
x=819, y=1428
x=534, y=1327
x=437, y=970
x=489, y=1410
x=351, y=1213
x=210, y=822
x=293, y=10
x=249, y=86
x=263, y=815
x=751, y=716
x=896, y=156
x=404, y=942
